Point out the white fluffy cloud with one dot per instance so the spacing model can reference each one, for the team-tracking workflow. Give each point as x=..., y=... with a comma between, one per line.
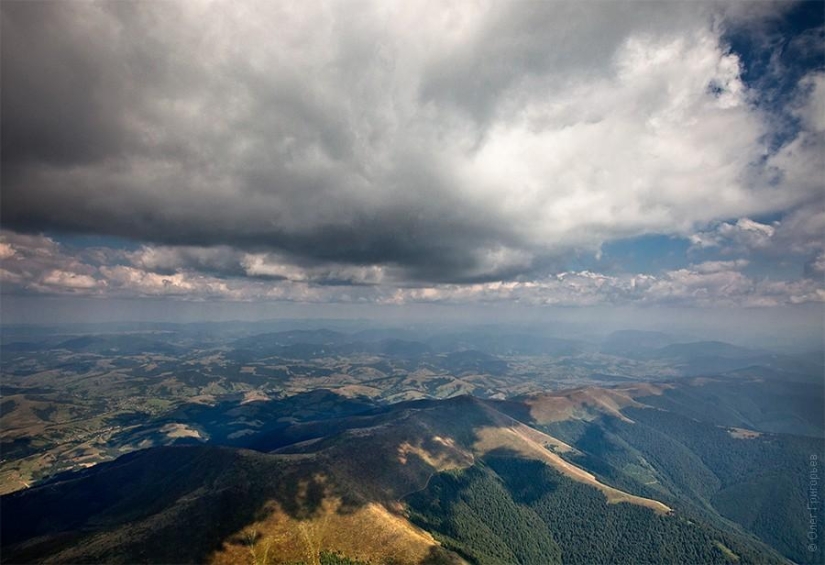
x=437, y=142
x=744, y=232
x=800, y=235
x=38, y=264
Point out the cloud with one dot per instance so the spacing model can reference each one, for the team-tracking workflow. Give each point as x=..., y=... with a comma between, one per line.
x=221, y=260
x=418, y=144
x=811, y=109
x=707, y=285
x=65, y=280
x=39, y=265
x=744, y=233
x=800, y=235
x=816, y=266
x=709, y=267
x=137, y=282
x=6, y=251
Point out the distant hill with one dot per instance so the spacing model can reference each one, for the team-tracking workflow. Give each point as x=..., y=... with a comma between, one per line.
x=507, y=343
x=121, y=344
x=315, y=337
x=633, y=341
x=705, y=349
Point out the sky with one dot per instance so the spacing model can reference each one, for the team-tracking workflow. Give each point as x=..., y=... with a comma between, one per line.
x=234, y=159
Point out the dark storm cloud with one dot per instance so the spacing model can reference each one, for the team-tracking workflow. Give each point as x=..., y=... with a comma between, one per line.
x=59, y=105
x=90, y=144
x=443, y=143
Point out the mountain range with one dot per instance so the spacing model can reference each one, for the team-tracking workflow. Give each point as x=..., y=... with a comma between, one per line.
x=596, y=474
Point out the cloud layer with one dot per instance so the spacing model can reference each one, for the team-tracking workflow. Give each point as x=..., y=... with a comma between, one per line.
x=398, y=151
x=36, y=264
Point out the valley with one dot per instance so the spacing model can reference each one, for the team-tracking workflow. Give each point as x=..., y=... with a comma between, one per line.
x=224, y=445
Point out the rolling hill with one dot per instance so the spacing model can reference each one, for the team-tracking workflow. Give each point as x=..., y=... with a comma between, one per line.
x=431, y=481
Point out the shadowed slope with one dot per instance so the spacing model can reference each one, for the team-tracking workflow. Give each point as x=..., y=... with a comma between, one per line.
x=196, y=504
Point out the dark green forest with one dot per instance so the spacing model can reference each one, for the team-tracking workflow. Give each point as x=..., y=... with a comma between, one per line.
x=507, y=509
x=760, y=483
